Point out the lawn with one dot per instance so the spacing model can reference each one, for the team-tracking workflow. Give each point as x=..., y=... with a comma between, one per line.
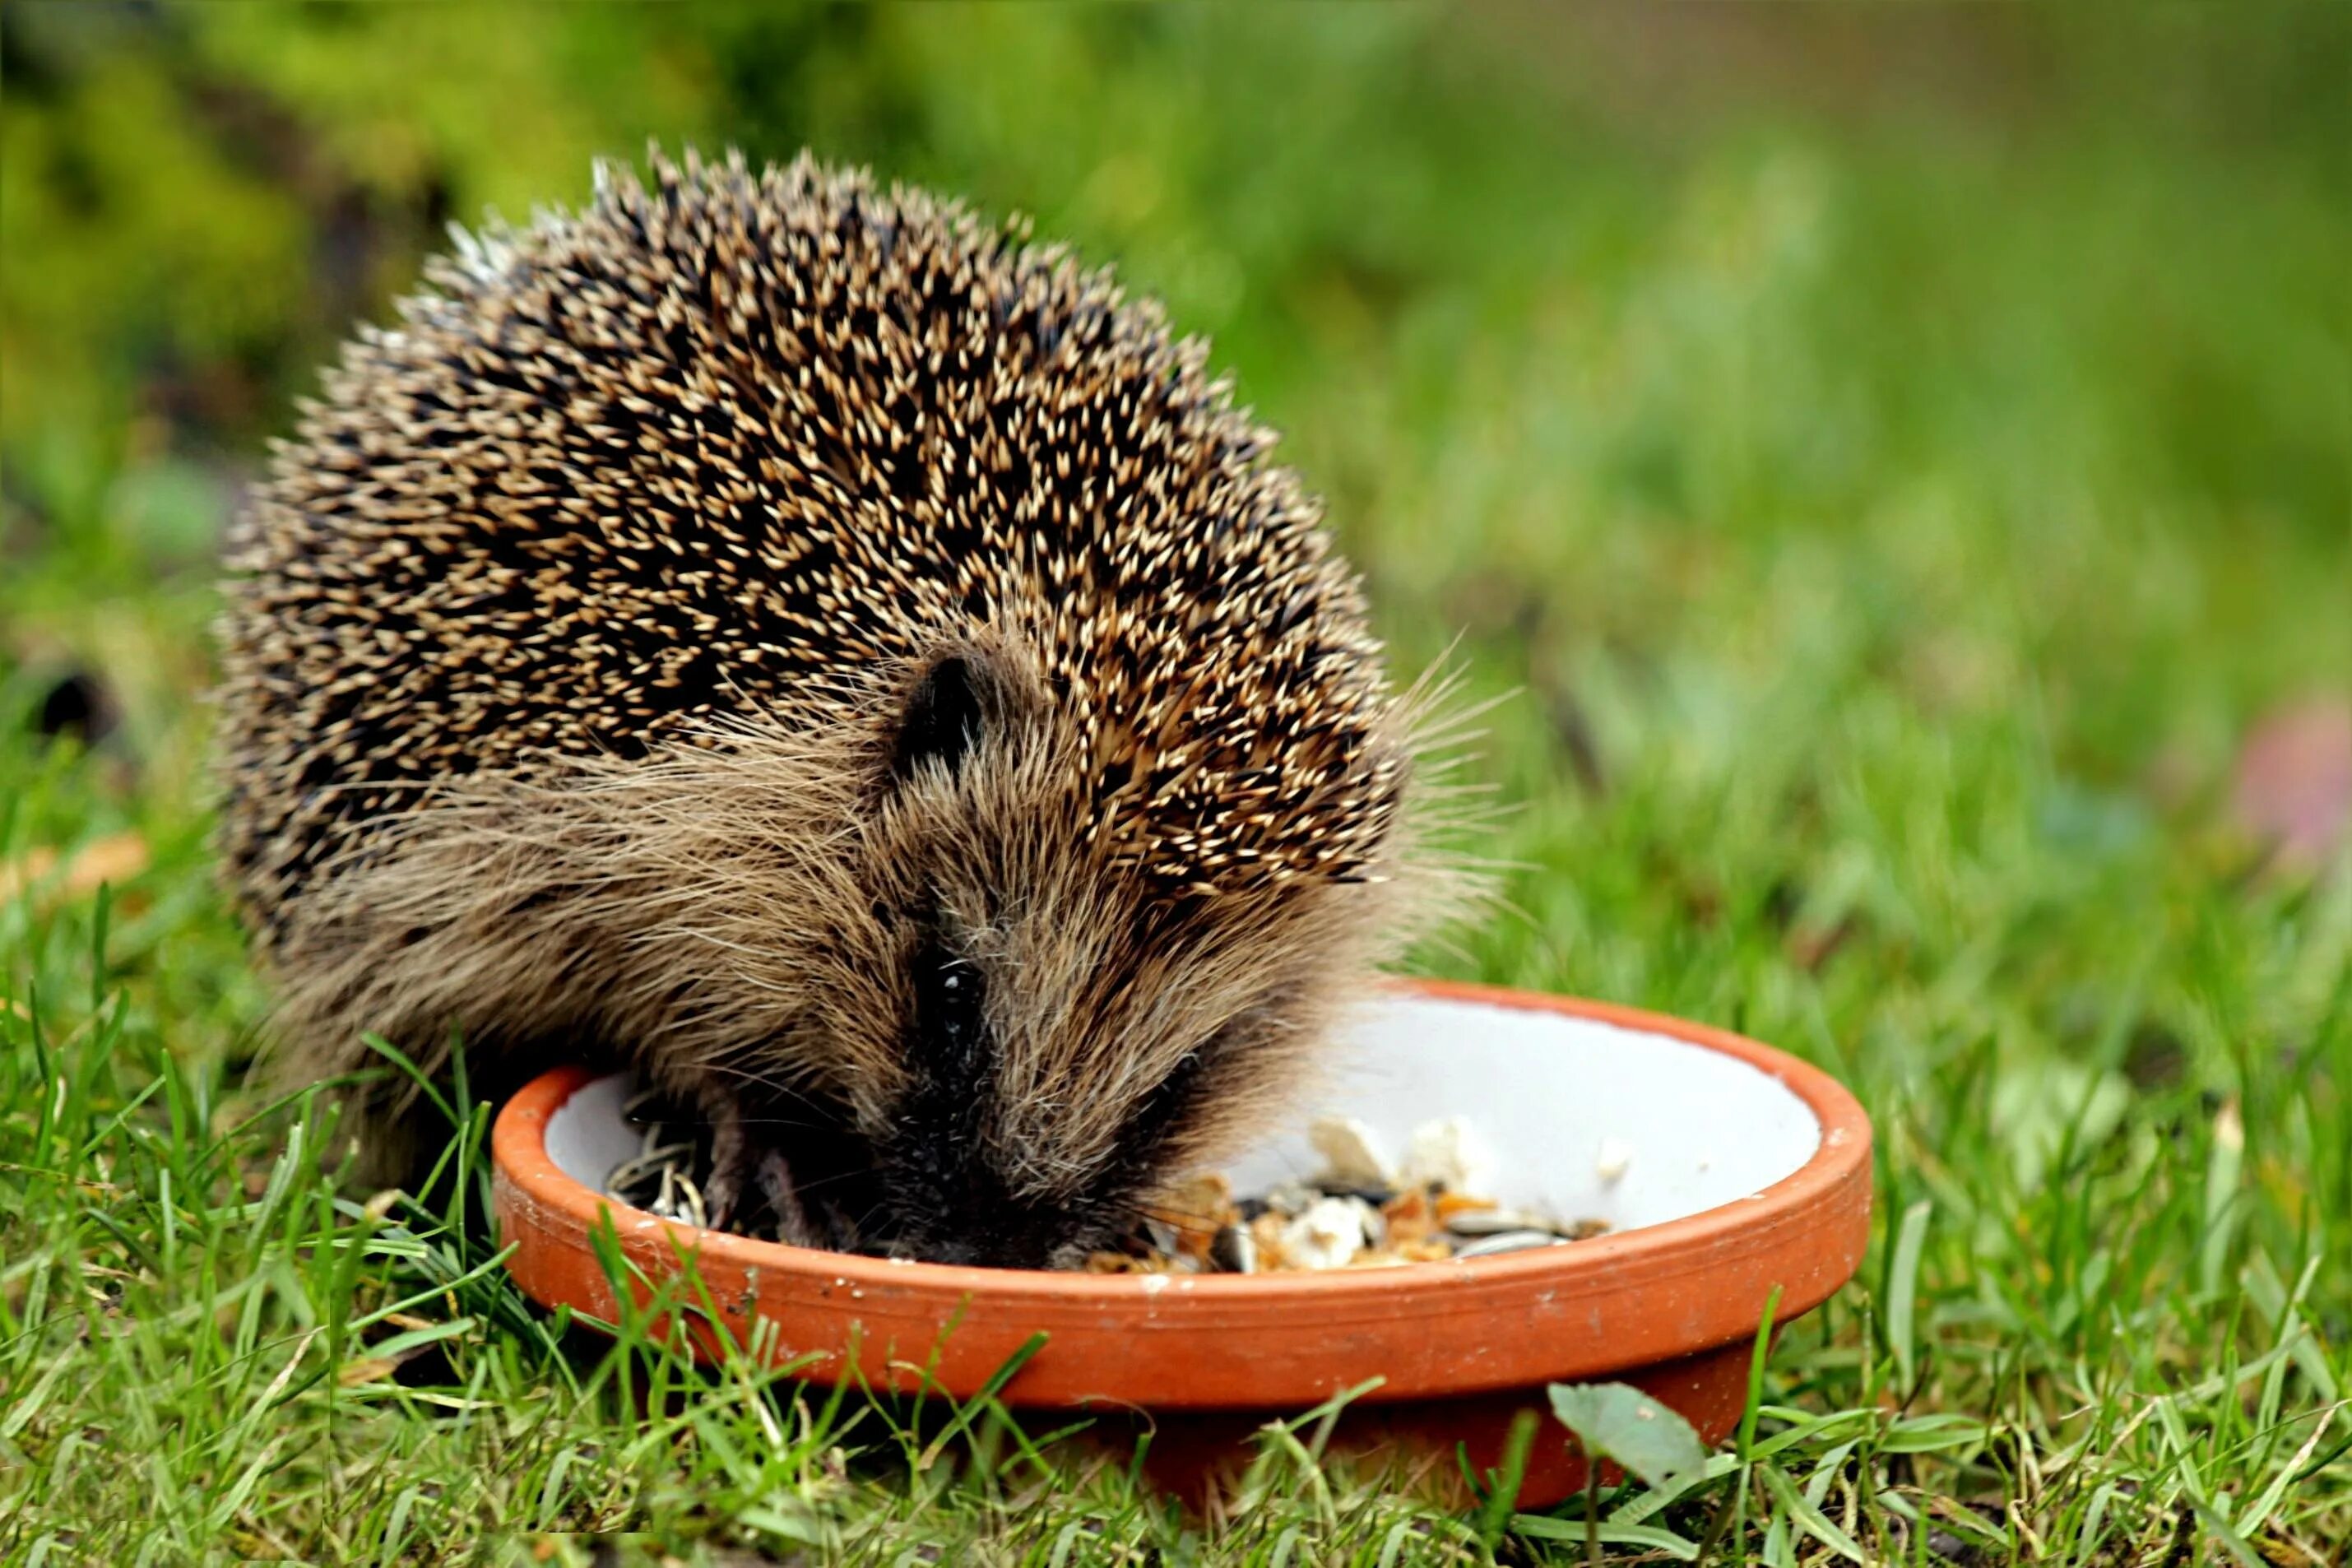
x=1894, y=460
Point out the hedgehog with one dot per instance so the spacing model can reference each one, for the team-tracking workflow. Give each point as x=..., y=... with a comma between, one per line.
x=841, y=660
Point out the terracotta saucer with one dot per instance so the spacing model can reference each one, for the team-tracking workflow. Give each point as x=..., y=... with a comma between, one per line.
x=1725, y=1168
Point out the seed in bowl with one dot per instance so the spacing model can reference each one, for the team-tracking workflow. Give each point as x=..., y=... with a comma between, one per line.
x=1359, y=1212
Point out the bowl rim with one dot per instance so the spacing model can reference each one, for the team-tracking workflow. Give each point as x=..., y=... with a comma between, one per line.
x=519, y=1157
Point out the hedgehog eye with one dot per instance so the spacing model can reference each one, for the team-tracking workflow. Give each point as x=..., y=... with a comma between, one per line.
x=1162, y=1112
x=942, y=720
x=951, y=1002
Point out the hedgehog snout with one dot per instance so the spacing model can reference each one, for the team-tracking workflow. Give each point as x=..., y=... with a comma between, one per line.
x=948, y=1193
x=997, y=1235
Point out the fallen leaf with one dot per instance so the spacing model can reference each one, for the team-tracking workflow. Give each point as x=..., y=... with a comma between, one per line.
x=368, y=1369
x=1617, y=1421
x=116, y=858
x=31, y=867
x=2293, y=784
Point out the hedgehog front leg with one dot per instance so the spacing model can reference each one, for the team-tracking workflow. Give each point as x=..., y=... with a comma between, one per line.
x=784, y=1199
x=738, y=1165
x=729, y=1166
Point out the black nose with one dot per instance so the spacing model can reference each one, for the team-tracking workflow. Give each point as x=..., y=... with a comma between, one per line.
x=1006, y=1235
x=985, y=1251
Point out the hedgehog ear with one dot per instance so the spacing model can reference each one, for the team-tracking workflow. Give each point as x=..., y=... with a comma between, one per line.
x=942, y=720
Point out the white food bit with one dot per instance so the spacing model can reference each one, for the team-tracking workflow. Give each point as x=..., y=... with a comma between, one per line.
x=1328, y=1236
x=1446, y=1153
x=1615, y=1155
x=1291, y=1199
x=1351, y=1155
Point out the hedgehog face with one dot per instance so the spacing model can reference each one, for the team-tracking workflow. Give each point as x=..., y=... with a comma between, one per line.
x=1069, y=1036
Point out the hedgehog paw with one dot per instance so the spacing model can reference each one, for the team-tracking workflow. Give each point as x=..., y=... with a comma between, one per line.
x=792, y=1226
x=742, y=1174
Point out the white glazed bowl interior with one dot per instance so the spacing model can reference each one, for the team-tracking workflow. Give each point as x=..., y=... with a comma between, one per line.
x=1560, y=1103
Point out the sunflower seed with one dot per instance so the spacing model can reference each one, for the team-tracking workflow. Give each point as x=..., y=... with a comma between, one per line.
x=1494, y=1222
x=1235, y=1250
x=1509, y=1241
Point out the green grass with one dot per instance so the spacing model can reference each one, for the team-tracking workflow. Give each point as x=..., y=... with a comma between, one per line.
x=1891, y=507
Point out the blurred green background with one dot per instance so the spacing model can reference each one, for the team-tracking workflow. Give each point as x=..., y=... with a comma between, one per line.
x=1592, y=322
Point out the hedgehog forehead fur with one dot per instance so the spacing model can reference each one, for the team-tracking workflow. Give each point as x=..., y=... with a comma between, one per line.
x=712, y=442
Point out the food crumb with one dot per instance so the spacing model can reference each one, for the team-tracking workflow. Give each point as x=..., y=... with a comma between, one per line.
x=1356, y=1213
x=1434, y=1206
x=1615, y=1157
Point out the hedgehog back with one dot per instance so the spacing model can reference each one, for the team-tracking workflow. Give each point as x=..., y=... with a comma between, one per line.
x=735, y=442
